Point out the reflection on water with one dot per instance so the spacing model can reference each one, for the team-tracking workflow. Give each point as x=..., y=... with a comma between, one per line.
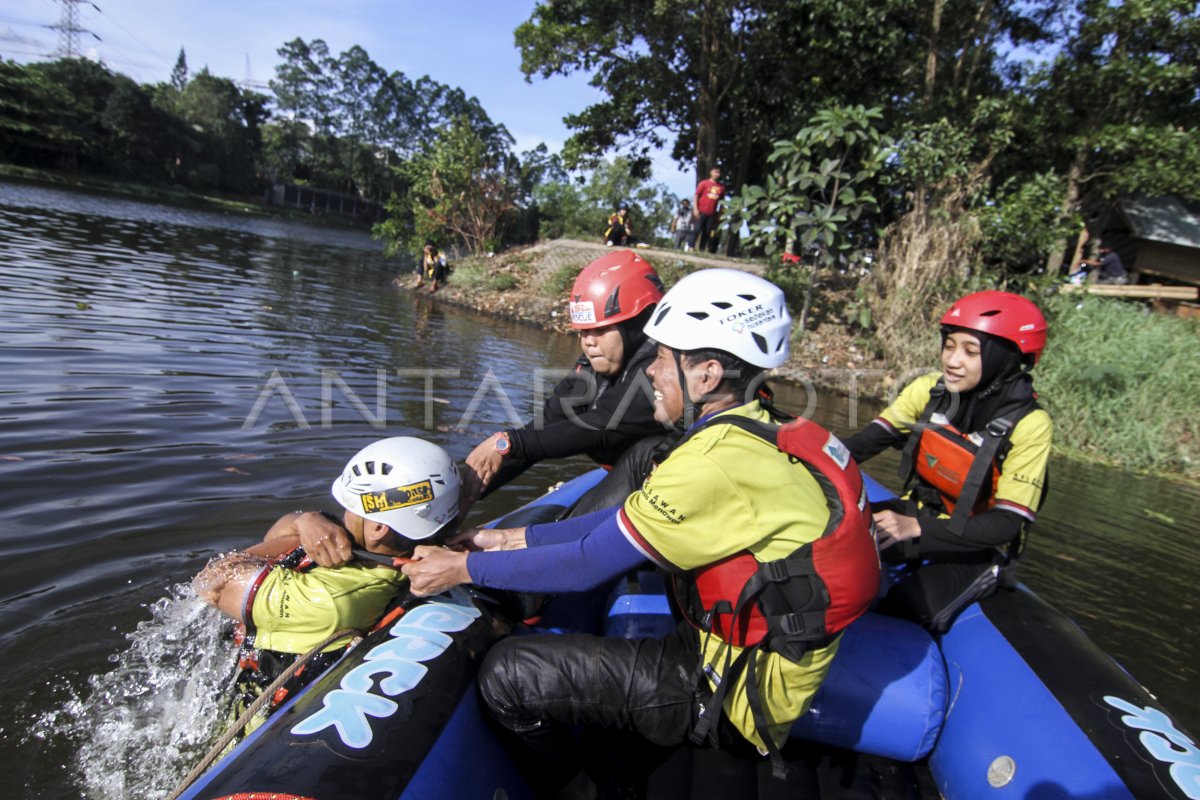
x=175, y=380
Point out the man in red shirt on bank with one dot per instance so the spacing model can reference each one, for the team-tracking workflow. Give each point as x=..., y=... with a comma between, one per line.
x=708, y=200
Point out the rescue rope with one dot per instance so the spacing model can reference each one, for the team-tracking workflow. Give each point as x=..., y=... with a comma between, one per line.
x=232, y=731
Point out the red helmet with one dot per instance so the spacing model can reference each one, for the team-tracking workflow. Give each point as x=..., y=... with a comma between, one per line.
x=1002, y=314
x=613, y=288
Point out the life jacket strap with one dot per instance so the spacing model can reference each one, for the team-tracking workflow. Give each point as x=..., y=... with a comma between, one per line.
x=779, y=769
x=994, y=434
x=905, y=471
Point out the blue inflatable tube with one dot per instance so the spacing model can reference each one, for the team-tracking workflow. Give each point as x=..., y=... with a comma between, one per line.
x=1012, y=702
x=1037, y=710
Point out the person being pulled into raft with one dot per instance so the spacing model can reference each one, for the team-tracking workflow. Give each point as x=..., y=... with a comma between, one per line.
x=975, y=449
x=394, y=493
x=746, y=529
x=605, y=405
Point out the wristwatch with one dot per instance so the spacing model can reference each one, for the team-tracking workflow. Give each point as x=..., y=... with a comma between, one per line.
x=503, y=444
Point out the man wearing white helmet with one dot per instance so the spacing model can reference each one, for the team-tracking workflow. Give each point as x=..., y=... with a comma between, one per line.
x=724, y=508
x=394, y=493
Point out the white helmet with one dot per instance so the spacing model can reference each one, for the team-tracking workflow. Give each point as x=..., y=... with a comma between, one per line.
x=408, y=484
x=725, y=309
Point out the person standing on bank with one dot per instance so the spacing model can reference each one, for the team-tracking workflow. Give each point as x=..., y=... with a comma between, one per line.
x=725, y=509
x=708, y=209
x=620, y=228
x=976, y=446
x=683, y=226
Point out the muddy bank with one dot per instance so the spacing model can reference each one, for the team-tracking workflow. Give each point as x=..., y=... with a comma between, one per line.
x=530, y=284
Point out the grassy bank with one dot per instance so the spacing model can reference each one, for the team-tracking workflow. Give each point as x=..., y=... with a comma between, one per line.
x=1123, y=384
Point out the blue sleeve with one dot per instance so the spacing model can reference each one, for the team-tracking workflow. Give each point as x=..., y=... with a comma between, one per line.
x=573, y=566
x=567, y=530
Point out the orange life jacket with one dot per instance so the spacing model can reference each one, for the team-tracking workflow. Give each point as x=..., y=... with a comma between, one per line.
x=959, y=471
x=943, y=460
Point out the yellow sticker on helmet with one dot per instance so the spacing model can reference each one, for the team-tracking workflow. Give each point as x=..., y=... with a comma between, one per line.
x=401, y=497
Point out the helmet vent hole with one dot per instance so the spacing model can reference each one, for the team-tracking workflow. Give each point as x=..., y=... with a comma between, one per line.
x=723, y=305
x=613, y=306
x=991, y=313
x=748, y=297
x=761, y=342
x=385, y=469
x=357, y=471
x=700, y=315
x=662, y=314
x=370, y=467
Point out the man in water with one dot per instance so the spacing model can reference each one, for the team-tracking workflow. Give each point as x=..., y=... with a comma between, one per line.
x=394, y=493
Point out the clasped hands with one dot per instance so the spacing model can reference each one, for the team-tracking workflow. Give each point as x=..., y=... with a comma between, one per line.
x=433, y=570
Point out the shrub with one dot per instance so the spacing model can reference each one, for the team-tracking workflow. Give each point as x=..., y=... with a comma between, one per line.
x=1120, y=383
x=476, y=274
x=560, y=281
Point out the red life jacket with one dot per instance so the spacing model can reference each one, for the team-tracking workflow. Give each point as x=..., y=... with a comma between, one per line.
x=804, y=600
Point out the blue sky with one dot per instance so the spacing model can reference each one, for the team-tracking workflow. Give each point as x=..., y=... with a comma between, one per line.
x=465, y=43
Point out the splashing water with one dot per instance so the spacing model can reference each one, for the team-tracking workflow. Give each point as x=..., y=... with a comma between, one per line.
x=139, y=729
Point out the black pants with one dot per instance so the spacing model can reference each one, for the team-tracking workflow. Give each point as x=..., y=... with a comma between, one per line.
x=537, y=687
x=708, y=234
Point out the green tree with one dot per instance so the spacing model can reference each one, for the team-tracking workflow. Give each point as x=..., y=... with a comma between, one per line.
x=135, y=130
x=463, y=185
x=358, y=85
x=818, y=197
x=226, y=124
x=725, y=78
x=179, y=74
x=32, y=130
x=86, y=88
x=1117, y=107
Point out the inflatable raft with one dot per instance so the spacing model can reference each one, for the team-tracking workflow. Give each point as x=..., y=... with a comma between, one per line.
x=1012, y=701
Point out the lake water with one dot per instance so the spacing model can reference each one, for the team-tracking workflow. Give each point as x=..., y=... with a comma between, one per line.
x=172, y=380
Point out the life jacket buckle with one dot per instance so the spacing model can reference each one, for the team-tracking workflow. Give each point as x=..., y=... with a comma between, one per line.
x=998, y=427
x=775, y=571
x=795, y=624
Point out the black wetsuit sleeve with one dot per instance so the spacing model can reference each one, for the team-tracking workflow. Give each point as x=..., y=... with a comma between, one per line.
x=994, y=528
x=575, y=421
x=871, y=441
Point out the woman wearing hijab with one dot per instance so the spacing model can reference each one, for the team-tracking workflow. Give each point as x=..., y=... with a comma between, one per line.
x=976, y=445
x=605, y=405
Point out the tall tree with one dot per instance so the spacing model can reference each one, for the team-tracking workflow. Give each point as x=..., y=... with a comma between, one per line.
x=179, y=74
x=666, y=66
x=1120, y=103
x=463, y=185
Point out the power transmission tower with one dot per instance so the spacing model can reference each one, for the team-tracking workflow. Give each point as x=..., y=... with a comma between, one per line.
x=69, y=30
x=249, y=82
